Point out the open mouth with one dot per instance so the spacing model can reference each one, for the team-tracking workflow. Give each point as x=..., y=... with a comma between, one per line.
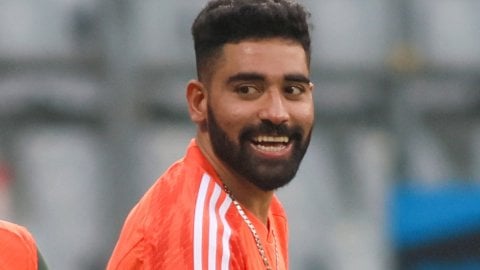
x=271, y=143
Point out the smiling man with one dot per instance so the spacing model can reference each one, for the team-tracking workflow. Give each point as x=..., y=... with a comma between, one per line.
x=253, y=107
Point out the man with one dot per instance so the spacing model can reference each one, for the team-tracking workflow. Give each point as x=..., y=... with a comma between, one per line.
x=18, y=250
x=253, y=107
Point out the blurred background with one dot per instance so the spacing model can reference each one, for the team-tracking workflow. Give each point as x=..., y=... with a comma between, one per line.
x=92, y=111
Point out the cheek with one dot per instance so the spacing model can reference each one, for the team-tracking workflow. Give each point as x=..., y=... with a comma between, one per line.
x=310, y=114
x=234, y=119
x=231, y=119
x=305, y=115
x=238, y=119
x=306, y=118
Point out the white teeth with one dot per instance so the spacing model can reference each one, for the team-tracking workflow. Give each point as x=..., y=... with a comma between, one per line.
x=272, y=139
x=274, y=143
x=271, y=148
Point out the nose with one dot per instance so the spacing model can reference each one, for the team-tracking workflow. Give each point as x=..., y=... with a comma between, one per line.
x=274, y=108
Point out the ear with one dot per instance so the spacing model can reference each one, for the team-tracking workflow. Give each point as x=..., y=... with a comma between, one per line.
x=197, y=101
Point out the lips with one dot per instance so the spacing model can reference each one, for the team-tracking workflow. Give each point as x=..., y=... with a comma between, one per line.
x=271, y=144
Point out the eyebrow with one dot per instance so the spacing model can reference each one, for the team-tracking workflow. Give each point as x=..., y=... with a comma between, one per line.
x=253, y=76
x=250, y=76
x=297, y=78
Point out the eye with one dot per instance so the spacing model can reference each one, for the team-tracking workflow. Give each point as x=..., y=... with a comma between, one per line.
x=248, y=91
x=294, y=90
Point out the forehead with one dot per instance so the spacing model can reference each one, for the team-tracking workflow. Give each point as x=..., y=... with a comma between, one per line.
x=270, y=57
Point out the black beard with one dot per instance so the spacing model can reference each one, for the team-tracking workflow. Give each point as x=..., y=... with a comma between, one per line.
x=266, y=174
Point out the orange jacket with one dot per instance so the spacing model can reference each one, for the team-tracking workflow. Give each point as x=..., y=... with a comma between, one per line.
x=187, y=221
x=18, y=250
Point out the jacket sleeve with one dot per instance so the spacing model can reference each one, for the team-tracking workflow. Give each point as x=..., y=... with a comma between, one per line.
x=127, y=255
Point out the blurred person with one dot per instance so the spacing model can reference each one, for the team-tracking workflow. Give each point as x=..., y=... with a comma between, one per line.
x=5, y=188
x=253, y=107
x=18, y=250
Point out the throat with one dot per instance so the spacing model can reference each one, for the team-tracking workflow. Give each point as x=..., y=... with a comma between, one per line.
x=256, y=202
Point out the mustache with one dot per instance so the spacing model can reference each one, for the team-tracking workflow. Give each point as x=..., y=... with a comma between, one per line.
x=268, y=128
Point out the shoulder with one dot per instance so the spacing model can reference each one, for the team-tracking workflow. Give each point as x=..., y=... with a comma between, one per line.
x=165, y=220
x=19, y=234
x=12, y=229
x=169, y=197
x=163, y=215
x=17, y=247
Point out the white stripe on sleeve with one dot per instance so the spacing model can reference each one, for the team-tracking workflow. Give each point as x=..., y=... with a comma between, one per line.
x=226, y=233
x=198, y=223
x=213, y=236
x=213, y=227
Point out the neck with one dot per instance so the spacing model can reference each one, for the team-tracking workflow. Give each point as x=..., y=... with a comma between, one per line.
x=250, y=197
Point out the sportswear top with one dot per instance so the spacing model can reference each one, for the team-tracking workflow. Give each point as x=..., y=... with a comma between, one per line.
x=18, y=250
x=187, y=221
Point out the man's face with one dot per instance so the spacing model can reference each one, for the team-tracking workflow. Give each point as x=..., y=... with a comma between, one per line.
x=260, y=110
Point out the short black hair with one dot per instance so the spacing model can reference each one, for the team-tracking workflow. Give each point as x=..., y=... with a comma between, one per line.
x=232, y=21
